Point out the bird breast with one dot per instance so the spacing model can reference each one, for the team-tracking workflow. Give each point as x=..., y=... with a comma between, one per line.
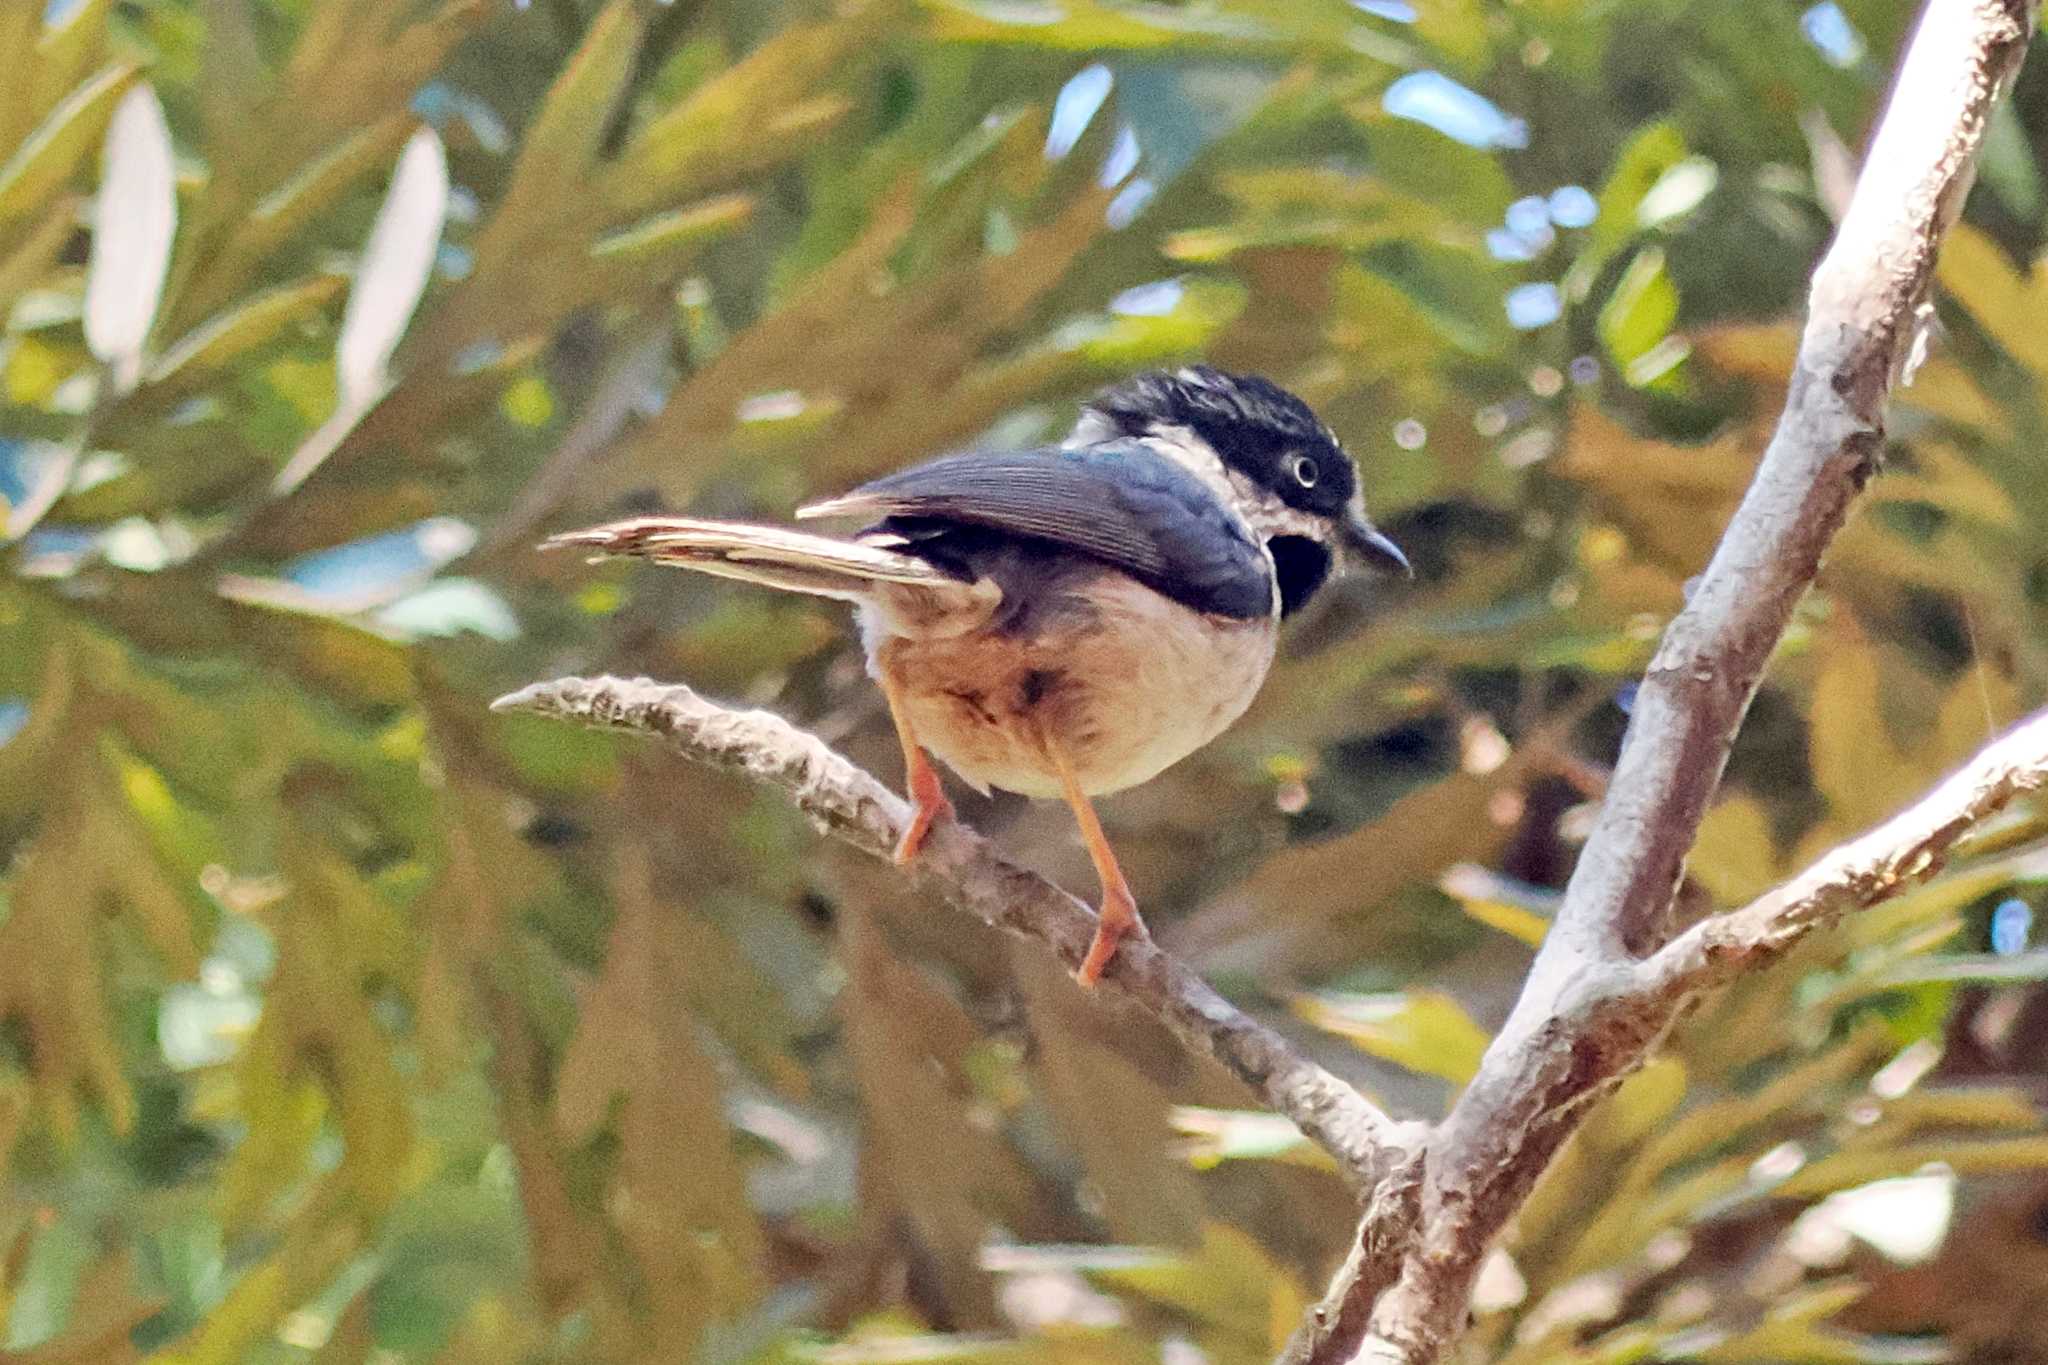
x=1120, y=679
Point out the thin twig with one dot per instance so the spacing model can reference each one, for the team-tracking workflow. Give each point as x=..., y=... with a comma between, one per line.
x=854, y=806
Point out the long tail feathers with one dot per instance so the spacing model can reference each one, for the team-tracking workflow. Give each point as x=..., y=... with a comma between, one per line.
x=793, y=561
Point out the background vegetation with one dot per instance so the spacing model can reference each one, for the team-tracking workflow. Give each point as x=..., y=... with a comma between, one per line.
x=341, y=1020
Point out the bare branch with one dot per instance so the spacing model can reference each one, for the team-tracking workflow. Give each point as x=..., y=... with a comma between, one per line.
x=1583, y=1019
x=1903, y=851
x=854, y=806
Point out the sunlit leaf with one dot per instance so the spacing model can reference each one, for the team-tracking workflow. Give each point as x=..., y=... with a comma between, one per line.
x=1520, y=911
x=1645, y=160
x=134, y=219
x=1977, y=271
x=1085, y=24
x=1641, y=310
x=1214, y=1136
x=1425, y=1031
x=389, y=280
x=392, y=273
x=677, y=232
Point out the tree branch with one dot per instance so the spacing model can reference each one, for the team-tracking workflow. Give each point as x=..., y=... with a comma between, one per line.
x=1905, y=850
x=1601, y=990
x=852, y=805
x=1584, y=1017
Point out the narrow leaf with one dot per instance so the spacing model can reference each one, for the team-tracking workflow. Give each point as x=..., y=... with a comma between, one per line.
x=50, y=153
x=21, y=22
x=74, y=46
x=1425, y=1031
x=134, y=220
x=393, y=272
x=564, y=138
x=280, y=216
x=254, y=322
x=390, y=279
x=683, y=230
x=1642, y=309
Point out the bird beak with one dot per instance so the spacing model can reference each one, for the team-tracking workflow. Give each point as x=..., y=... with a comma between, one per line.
x=1372, y=549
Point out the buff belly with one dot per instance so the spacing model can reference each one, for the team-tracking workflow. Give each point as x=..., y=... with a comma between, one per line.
x=1124, y=683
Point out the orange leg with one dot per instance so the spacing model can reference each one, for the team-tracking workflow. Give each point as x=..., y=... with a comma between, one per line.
x=1119, y=908
x=927, y=795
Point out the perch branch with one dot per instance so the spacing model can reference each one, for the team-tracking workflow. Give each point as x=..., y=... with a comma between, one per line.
x=1585, y=1015
x=853, y=805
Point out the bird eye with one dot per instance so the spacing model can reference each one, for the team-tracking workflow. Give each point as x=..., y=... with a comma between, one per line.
x=1304, y=471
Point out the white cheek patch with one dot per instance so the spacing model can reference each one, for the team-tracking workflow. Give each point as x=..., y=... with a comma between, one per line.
x=1269, y=517
x=1261, y=510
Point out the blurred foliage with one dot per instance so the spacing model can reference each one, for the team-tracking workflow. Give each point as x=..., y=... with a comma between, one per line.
x=341, y=1020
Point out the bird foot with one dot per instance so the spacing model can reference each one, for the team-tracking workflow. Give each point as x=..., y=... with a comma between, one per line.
x=1119, y=921
x=929, y=802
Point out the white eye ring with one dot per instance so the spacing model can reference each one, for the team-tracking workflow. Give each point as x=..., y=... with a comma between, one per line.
x=1304, y=470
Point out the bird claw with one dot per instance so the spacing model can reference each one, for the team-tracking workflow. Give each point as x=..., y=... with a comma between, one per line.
x=1119, y=921
x=929, y=802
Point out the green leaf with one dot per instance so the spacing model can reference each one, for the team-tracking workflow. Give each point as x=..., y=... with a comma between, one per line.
x=1644, y=161
x=283, y=214
x=1087, y=25
x=1425, y=1031
x=253, y=323
x=67, y=51
x=1230, y=1284
x=676, y=234
x=562, y=143
x=1515, y=908
x=1987, y=968
x=21, y=24
x=757, y=111
x=1465, y=184
x=1211, y=1137
x=36, y=249
x=1640, y=312
x=2005, y=301
x=48, y=156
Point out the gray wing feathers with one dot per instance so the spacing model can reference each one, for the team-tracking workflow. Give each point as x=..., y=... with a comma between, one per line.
x=793, y=561
x=1026, y=494
x=1120, y=502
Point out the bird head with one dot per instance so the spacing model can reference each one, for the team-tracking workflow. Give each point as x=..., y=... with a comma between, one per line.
x=1287, y=475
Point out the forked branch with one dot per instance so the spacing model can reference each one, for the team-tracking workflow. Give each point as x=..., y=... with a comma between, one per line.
x=1591, y=1009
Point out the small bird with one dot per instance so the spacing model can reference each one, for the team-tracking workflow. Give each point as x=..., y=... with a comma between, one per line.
x=1071, y=620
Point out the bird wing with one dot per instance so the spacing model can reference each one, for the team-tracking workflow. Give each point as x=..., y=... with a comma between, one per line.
x=1119, y=502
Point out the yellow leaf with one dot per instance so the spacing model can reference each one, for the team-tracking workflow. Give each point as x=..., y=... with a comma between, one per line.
x=1499, y=903
x=1425, y=1031
x=1980, y=704
x=2008, y=303
x=1735, y=855
x=1857, y=764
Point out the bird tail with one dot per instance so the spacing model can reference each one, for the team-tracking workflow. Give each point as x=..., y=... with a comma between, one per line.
x=774, y=556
